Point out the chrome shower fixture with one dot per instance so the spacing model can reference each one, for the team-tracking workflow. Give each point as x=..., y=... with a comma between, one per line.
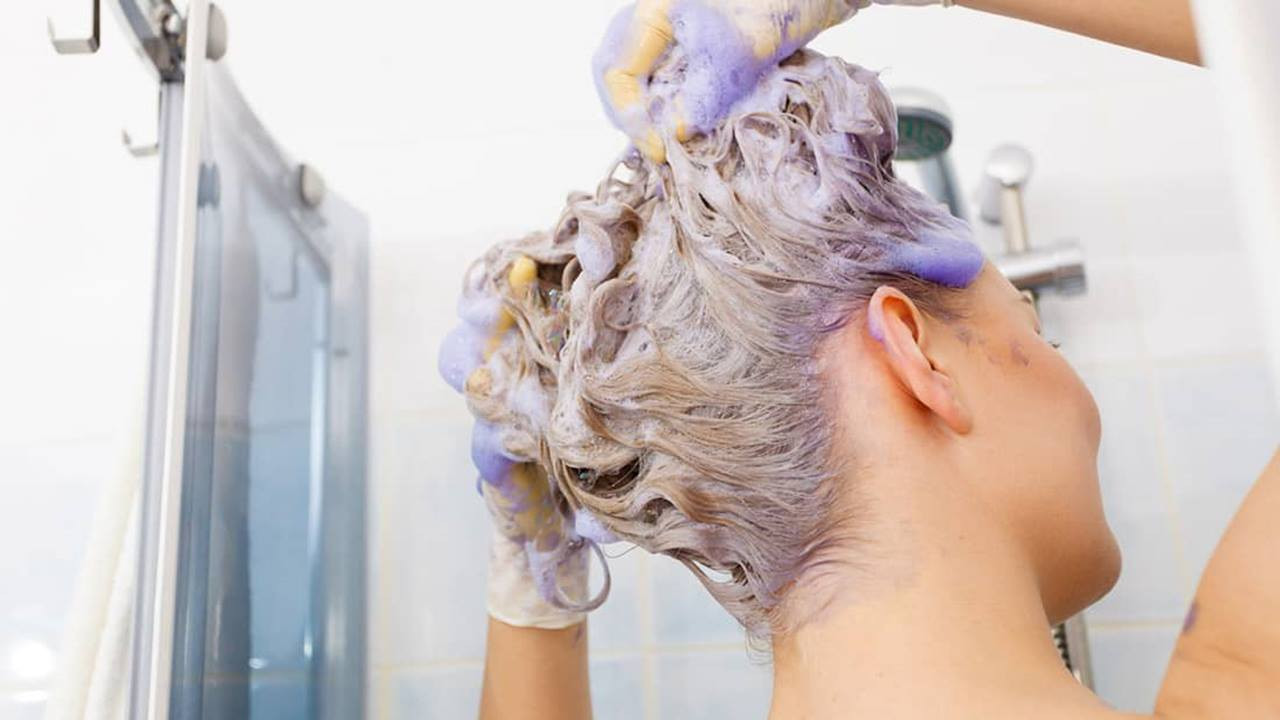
x=1058, y=267
x=924, y=135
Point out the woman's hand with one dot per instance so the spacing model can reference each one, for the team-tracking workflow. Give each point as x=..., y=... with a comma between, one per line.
x=537, y=567
x=729, y=43
x=536, y=652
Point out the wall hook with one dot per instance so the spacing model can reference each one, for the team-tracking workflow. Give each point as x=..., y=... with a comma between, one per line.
x=78, y=45
x=138, y=149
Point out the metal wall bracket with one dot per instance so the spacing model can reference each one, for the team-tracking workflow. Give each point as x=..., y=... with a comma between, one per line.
x=78, y=45
x=172, y=35
x=141, y=148
x=138, y=149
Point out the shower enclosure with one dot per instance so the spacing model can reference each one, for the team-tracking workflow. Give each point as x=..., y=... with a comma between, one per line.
x=250, y=598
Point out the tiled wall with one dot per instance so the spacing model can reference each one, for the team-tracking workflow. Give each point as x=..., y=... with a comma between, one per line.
x=475, y=136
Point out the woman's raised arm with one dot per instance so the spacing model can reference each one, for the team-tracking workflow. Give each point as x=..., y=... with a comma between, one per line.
x=533, y=673
x=1163, y=27
x=1227, y=661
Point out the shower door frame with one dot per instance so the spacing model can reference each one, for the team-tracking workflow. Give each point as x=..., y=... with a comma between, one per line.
x=340, y=662
x=180, y=129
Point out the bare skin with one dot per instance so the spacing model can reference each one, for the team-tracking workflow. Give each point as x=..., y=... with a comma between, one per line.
x=535, y=674
x=1161, y=27
x=948, y=612
x=963, y=571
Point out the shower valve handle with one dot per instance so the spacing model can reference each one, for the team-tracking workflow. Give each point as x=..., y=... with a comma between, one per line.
x=1006, y=173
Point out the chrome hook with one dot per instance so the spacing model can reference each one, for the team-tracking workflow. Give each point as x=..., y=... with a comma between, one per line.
x=78, y=45
x=138, y=150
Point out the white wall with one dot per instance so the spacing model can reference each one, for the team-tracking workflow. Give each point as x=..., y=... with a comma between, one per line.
x=455, y=126
x=77, y=232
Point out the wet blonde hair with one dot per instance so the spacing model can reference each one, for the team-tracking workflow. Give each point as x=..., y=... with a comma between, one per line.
x=662, y=367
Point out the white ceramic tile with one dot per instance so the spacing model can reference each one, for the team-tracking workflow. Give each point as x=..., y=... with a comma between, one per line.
x=617, y=691
x=378, y=699
x=415, y=282
x=684, y=612
x=1129, y=663
x=1222, y=426
x=1136, y=501
x=617, y=688
x=446, y=694
x=620, y=623
x=1181, y=212
x=1196, y=304
x=412, y=306
x=430, y=542
x=1101, y=325
x=713, y=685
x=1167, y=126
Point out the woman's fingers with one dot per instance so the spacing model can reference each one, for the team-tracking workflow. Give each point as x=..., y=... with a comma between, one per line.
x=642, y=43
x=728, y=43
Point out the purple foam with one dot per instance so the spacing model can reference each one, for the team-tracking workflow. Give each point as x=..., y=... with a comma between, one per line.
x=939, y=258
x=588, y=526
x=488, y=455
x=461, y=353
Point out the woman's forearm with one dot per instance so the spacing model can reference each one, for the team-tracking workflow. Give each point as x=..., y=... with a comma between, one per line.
x=535, y=674
x=1163, y=27
x=1227, y=661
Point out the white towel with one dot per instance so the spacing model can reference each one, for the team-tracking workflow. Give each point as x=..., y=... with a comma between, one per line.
x=94, y=671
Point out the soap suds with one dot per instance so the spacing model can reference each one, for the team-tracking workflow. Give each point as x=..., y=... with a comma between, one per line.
x=653, y=355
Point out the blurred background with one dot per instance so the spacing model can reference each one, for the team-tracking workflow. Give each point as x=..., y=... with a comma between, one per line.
x=454, y=126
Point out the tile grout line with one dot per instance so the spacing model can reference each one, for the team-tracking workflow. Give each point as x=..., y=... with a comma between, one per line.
x=1193, y=361
x=1181, y=362
x=1111, y=625
x=626, y=653
x=648, y=638
x=381, y=682
x=1155, y=407
x=381, y=565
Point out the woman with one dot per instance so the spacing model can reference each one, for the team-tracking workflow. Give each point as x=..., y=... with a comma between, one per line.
x=764, y=356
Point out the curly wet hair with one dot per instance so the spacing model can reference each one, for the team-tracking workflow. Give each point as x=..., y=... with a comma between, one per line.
x=662, y=369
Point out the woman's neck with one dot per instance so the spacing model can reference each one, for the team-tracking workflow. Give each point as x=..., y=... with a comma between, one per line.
x=950, y=625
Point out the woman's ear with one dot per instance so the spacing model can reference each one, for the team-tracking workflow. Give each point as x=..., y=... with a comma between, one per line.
x=895, y=321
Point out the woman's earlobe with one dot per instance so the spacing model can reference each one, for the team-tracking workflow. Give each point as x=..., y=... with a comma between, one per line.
x=951, y=407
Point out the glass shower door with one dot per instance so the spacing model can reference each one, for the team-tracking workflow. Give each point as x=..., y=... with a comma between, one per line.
x=269, y=614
